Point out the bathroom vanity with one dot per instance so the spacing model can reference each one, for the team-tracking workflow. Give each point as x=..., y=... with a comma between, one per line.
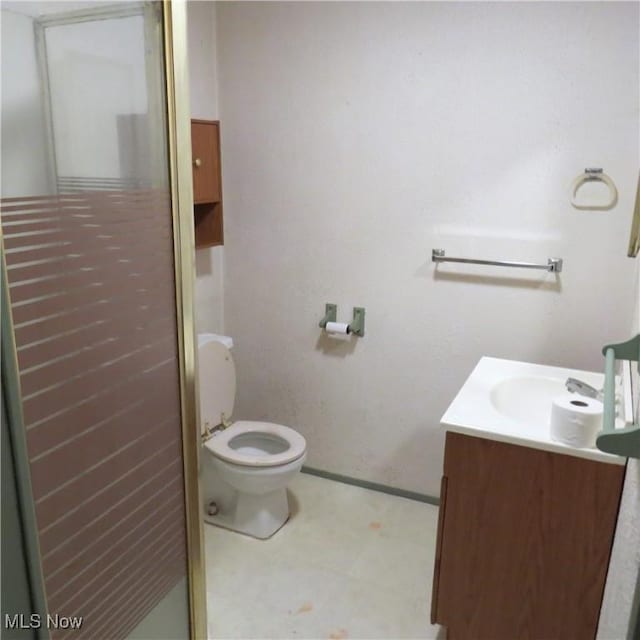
x=526, y=524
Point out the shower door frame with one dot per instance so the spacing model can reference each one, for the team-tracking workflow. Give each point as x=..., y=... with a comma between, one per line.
x=178, y=118
x=179, y=130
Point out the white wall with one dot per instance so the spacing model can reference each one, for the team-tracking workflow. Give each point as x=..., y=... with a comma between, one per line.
x=359, y=136
x=204, y=105
x=24, y=151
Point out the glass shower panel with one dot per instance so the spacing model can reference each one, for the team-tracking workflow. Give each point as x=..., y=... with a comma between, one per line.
x=88, y=243
x=123, y=124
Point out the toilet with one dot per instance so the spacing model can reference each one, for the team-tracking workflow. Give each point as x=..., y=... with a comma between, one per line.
x=247, y=465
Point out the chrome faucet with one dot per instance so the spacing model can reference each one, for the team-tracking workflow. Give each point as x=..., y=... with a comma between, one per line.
x=578, y=386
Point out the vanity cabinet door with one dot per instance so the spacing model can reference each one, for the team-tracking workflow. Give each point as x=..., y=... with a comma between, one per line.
x=525, y=541
x=437, y=616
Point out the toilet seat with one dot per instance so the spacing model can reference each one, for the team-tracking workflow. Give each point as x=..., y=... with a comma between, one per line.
x=221, y=445
x=217, y=394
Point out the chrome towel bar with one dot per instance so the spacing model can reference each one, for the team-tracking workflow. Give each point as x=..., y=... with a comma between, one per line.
x=554, y=265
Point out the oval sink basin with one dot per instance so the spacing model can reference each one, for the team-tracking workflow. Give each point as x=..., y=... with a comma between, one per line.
x=510, y=401
x=527, y=399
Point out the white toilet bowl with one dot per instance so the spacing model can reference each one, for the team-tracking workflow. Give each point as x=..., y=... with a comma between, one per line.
x=248, y=465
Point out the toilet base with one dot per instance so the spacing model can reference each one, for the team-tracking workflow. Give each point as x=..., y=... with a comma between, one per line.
x=259, y=516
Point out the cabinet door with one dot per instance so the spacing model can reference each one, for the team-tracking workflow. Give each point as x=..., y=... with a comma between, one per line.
x=525, y=541
x=437, y=613
x=205, y=146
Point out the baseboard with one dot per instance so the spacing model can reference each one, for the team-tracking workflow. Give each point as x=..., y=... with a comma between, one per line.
x=374, y=486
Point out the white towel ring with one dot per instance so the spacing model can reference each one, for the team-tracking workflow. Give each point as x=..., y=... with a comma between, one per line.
x=590, y=175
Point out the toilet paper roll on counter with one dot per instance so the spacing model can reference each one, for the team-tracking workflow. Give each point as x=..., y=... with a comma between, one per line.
x=341, y=328
x=575, y=420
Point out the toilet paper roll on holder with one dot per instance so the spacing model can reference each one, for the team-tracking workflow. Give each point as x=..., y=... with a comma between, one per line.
x=356, y=326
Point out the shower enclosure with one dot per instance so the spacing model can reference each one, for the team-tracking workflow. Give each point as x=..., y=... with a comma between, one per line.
x=98, y=339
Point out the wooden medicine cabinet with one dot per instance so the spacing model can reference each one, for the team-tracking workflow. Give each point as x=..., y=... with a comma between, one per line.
x=207, y=183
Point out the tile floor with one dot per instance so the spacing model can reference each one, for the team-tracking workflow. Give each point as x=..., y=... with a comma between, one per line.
x=350, y=563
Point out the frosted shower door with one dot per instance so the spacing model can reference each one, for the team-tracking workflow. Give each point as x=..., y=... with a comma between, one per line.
x=88, y=243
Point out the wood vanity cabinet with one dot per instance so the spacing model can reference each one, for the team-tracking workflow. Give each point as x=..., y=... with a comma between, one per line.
x=524, y=538
x=207, y=182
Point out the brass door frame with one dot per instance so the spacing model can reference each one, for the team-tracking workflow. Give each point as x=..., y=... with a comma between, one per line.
x=178, y=120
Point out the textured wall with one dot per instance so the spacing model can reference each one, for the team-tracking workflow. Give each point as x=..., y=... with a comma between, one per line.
x=357, y=137
x=203, y=87
x=623, y=580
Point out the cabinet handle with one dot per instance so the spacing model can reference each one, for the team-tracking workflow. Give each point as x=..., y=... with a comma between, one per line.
x=197, y=162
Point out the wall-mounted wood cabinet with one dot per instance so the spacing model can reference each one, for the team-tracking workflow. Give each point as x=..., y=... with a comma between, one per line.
x=524, y=538
x=207, y=183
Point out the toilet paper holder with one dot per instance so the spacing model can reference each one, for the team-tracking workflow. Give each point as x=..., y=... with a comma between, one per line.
x=356, y=326
x=330, y=315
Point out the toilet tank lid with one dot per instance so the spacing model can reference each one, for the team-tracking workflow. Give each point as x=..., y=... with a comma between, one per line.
x=203, y=338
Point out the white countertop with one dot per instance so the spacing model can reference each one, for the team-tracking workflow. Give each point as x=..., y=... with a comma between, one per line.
x=474, y=413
